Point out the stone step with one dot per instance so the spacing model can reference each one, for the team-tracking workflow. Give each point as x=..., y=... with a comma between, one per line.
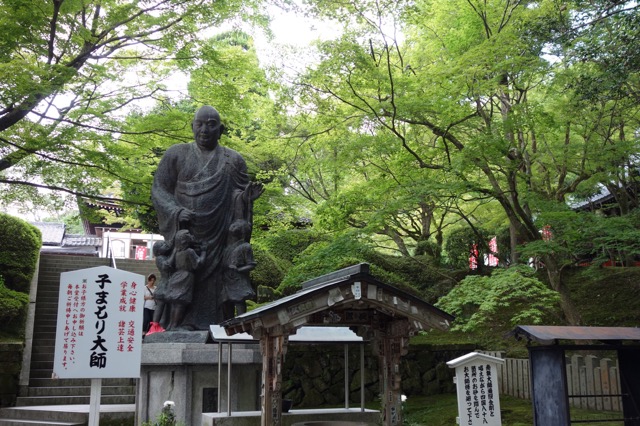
x=48, y=342
x=43, y=344
x=81, y=391
x=40, y=374
x=42, y=365
x=48, y=287
x=49, y=315
x=45, y=308
x=49, y=382
x=48, y=322
x=123, y=415
x=45, y=311
x=30, y=401
x=53, y=300
x=42, y=356
x=43, y=414
x=43, y=422
x=45, y=329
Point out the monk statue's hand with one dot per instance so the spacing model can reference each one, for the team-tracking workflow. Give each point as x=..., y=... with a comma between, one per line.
x=254, y=190
x=185, y=215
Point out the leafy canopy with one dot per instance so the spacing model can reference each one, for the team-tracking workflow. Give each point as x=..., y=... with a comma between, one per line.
x=507, y=298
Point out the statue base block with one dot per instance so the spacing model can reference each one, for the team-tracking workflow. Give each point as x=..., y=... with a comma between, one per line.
x=180, y=336
x=187, y=374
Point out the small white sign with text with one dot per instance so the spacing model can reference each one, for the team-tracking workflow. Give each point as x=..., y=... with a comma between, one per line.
x=99, y=331
x=477, y=389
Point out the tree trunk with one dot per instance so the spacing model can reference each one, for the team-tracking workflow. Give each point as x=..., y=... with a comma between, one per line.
x=554, y=273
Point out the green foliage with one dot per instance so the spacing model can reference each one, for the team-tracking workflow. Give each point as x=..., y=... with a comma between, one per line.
x=417, y=274
x=19, y=249
x=13, y=308
x=269, y=270
x=286, y=244
x=584, y=237
x=442, y=410
x=167, y=416
x=72, y=221
x=466, y=109
x=458, y=247
x=458, y=244
x=322, y=258
x=608, y=297
x=420, y=275
x=83, y=66
x=497, y=303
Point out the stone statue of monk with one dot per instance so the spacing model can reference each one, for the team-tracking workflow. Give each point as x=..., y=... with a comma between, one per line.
x=203, y=187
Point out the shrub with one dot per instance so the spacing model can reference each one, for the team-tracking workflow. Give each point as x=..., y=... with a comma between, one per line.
x=20, y=244
x=13, y=305
x=288, y=243
x=322, y=258
x=269, y=270
x=497, y=303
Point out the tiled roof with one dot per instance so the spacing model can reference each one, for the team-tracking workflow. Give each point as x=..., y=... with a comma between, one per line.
x=52, y=233
x=75, y=240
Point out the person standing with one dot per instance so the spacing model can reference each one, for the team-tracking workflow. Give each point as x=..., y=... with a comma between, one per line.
x=149, y=302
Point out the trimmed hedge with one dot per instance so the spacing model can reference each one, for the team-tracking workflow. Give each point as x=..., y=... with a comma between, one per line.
x=13, y=307
x=20, y=244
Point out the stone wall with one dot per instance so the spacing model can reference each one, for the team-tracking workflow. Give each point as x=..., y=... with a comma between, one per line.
x=10, y=364
x=313, y=376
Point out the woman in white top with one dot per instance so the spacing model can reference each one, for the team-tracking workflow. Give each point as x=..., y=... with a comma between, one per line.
x=149, y=302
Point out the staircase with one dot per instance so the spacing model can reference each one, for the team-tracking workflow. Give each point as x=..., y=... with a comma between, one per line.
x=32, y=405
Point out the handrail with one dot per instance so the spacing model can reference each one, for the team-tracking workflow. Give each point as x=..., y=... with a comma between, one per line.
x=110, y=252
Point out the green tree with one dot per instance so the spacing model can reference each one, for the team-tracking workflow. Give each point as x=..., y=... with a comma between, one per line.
x=473, y=99
x=498, y=303
x=72, y=70
x=226, y=75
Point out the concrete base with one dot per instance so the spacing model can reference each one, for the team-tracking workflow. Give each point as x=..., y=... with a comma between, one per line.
x=66, y=414
x=187, y=374
x=326, y=417
x=198, y=336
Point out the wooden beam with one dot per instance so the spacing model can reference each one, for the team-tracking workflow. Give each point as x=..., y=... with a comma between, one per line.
x=273, y=348
x=390, y=344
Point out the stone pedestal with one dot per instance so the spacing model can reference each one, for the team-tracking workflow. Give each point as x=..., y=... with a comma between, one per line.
x=187, y=374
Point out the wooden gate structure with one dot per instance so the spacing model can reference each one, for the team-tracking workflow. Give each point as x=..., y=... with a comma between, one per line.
x=351, y=297
x=549, y=389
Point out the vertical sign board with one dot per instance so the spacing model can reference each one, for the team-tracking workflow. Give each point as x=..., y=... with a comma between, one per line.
x=477, y=388
x=99, y=333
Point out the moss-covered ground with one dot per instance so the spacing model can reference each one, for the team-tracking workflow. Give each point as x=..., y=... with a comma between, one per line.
x=442, y=410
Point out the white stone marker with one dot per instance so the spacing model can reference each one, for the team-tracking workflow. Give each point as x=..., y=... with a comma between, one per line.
x=477, y=388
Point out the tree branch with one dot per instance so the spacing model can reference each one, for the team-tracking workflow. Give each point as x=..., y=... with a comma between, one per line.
x=77, y=193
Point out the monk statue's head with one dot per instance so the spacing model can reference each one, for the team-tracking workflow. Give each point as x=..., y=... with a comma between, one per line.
x=207, y=127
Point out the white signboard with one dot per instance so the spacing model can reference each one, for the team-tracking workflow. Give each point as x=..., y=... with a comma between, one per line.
x=99, y=332
x=477, y=388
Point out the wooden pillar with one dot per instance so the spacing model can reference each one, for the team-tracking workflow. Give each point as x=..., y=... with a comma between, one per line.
x=390, y=345
x=548, y=386
x=630, y=384
x=273, y=348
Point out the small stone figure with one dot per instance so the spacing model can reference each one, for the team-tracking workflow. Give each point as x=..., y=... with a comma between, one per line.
x=238, y=261
x=162, y=251
x=179, y=292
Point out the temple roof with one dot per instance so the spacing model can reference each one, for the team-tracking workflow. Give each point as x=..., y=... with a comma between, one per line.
x=547, y=334
x=350, y=297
